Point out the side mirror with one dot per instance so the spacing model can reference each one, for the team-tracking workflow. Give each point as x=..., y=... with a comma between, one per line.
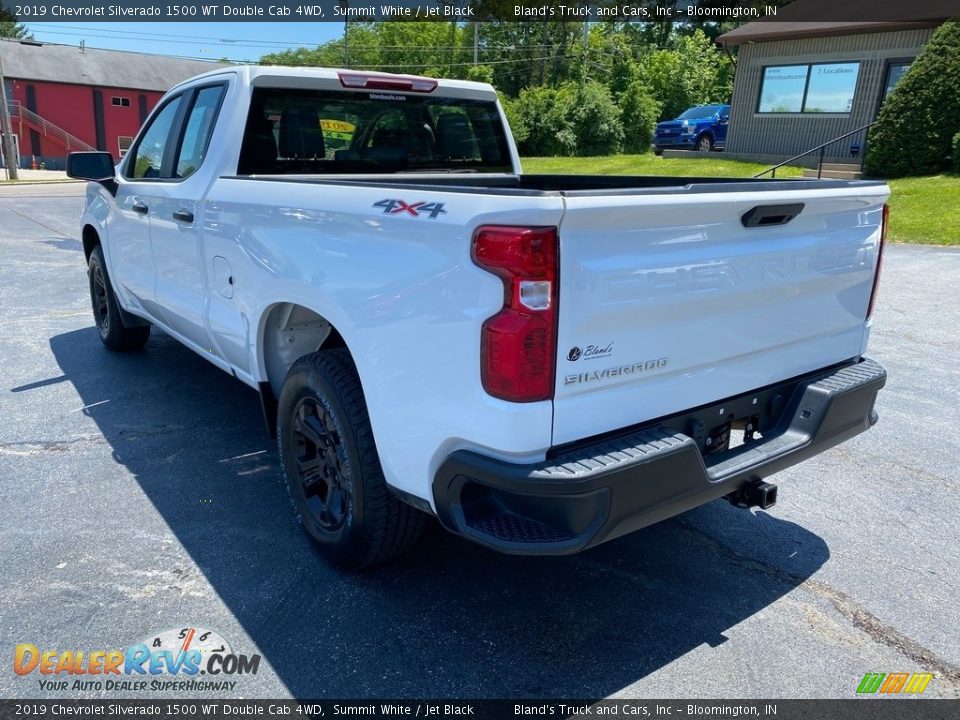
x=724, y=119
x=93, y=166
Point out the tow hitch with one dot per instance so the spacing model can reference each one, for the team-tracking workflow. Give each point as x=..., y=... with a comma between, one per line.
x=755, y=494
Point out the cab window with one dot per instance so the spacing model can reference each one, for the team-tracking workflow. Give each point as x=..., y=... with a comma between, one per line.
x=198, y=129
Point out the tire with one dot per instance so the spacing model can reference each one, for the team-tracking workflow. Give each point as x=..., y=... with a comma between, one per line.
x=331, y=467
x=106, y=311
x=658, y=153
x=704, y=143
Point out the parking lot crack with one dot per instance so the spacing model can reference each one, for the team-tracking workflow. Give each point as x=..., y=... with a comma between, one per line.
x=876, y=629
x=34, y=447
x=60, y=233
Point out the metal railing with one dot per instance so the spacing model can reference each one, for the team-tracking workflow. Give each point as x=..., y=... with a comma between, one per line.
x=48, y=129
x=822, y=148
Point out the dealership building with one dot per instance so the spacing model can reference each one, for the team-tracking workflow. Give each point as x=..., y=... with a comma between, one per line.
x=64, y=98
x=799, y=84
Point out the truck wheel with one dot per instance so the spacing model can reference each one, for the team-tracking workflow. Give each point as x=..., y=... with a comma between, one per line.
x=331, y=467
x=106, y=312
x=704, y=143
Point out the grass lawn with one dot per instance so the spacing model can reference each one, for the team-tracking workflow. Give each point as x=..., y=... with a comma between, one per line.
x=649, y=164
x=923, y=210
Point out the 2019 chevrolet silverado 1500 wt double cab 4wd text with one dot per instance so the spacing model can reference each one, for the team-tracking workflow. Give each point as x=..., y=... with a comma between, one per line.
x=542, y=362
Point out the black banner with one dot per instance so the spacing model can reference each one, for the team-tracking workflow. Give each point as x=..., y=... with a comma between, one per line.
x=698, y=11
x=853, y=709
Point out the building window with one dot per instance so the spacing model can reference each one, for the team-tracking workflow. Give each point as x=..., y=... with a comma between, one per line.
x=120, y=101
x=813, y=88
x=123, y=144
x=895, y=71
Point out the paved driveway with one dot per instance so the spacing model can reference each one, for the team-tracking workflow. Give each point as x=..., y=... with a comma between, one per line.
x=140, y=493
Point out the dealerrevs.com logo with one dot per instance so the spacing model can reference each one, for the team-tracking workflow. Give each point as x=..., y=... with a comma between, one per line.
x=171, y=660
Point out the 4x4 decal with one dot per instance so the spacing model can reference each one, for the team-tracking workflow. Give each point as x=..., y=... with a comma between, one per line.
x=396, y=207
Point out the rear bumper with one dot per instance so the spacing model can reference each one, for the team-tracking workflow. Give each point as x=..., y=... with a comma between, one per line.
x=582, y=497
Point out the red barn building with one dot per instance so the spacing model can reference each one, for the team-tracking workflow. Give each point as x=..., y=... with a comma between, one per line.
x=65, y=98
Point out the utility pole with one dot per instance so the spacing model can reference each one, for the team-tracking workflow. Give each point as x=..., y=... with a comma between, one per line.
x=345, y=6
x=476, y=41
x=9, y=155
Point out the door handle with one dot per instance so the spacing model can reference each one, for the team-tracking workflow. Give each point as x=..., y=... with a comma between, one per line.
x=140, y=208
x=183, y=216
x=767, y=215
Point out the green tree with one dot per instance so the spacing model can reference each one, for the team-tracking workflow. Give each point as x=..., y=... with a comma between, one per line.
x=694, y=73
x=594, y=121
x=638, y=114
x=518, y=127
x=574, y=119
x=542, y=117
x=918, y=121
x=10, y=28
x=480, y=73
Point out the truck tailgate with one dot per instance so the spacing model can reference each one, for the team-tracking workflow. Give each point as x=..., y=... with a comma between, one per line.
x=671, y=301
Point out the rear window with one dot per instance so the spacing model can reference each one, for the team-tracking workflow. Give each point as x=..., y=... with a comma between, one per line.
x=307, y=132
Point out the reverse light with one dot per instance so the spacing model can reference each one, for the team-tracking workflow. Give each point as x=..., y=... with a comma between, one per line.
x=375, y=81
x=884, y=224
x=518, y=345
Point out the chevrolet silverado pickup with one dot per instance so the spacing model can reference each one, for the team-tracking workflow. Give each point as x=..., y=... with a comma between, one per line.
x=542, y=362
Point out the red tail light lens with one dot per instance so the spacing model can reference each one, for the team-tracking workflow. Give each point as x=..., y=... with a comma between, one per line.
x=884, y=224
x=518, y=345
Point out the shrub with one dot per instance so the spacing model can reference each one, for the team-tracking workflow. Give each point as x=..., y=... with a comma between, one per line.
x=594, y=120
x=569, y=120
x=544, y=114
x=638, y=114
x=955, y=154
x=917, y=122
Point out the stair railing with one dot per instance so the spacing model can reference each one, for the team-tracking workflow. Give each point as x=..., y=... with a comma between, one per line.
x=822, y=149
x=47, y=128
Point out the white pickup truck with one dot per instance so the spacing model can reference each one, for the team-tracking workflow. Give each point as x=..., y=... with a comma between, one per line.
x=542, y=362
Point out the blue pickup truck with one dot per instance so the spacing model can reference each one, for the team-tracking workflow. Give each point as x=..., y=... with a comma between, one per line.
x=701, y=128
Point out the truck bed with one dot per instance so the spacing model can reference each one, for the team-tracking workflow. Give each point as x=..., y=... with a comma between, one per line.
x=567, y=185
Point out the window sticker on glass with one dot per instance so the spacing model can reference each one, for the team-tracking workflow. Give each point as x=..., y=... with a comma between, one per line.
x=337, y=133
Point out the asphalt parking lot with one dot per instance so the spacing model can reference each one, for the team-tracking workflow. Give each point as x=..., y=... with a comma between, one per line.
x=140, y=493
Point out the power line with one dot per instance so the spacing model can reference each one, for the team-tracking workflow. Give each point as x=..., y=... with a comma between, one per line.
x=265, y=44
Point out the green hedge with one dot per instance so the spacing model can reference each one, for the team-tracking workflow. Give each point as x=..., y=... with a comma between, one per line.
x=916, y=125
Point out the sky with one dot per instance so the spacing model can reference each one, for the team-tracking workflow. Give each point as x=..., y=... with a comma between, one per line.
x=237, y=41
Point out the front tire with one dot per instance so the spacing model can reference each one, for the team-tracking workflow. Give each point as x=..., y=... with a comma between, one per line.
x=106, y=311
x=704, y=143
x=331, y=467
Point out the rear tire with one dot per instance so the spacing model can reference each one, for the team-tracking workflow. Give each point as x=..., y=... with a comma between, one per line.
x=332, y=469
x=106, y=311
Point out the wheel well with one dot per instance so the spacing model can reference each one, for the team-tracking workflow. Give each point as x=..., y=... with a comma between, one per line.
x=289, y=332
x=90, y=240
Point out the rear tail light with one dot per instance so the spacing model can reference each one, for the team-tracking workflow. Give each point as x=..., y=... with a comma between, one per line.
x=374, y=81
x=518, y=345
x=884, y=224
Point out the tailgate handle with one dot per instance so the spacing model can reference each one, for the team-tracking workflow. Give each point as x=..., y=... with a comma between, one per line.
x=767, y=215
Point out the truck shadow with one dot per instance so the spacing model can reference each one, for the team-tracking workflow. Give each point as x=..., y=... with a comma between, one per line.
x=449, y=620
